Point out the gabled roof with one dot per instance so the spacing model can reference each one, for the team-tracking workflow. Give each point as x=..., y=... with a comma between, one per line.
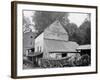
x=56, y=31
x=53, y=28
x=56, y=27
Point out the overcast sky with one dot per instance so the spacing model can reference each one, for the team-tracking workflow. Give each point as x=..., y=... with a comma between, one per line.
x=28, y=14
x=77, y=18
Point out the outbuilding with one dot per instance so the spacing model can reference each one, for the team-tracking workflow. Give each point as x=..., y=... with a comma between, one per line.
x=84, y=49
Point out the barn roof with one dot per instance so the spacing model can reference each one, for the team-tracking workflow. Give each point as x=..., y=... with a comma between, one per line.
x=84, y=46
x=56, y=31
x=60, y=46
x=51, y=27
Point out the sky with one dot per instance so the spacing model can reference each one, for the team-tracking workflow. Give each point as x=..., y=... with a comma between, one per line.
x=28, y=14
x=77, y=18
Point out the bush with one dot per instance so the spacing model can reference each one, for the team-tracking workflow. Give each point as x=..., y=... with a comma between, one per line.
x=85, y=60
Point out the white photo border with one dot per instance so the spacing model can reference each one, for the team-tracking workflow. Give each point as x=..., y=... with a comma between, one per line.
x=67, y=70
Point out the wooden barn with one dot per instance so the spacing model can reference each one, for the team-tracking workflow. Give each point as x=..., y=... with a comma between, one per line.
x=54, y=42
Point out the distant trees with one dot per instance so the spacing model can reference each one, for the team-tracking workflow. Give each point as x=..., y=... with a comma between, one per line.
x=71, y=28
x=81, y=34
x=85, y=32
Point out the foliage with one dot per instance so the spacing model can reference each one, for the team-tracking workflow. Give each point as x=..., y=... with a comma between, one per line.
x=43, y=19
x=81, y=35
x=26, y=21
x=84, y=60
x=85, y=32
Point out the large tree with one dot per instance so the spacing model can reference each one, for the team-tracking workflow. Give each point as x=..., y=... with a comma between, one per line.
x=85, y=32
x=81, y=34
x=71, y=28
x=43, y=19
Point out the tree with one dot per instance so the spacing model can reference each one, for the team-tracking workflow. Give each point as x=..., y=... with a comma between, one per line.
x=81, y=35
x=26, y=23
x=72, y=29
x=85, y=32
x=43, y=19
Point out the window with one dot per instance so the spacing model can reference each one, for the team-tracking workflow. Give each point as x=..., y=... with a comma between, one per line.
x=32, y=49
x=31, y=43
x=38, y=49
x=31, y=36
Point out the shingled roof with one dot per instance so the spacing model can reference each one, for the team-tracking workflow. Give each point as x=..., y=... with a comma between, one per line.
x=60, y=46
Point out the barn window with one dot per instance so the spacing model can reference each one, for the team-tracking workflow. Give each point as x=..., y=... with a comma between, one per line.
x=31, y=36
x=38, y=49
x=64, y=55
x=31, y=43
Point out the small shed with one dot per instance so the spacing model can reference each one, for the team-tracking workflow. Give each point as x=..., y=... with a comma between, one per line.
x=84, y=49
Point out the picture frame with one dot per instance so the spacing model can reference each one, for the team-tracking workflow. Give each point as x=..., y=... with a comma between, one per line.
x=42, y=45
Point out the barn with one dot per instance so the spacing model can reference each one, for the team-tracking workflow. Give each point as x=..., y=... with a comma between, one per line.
x=54, y=42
